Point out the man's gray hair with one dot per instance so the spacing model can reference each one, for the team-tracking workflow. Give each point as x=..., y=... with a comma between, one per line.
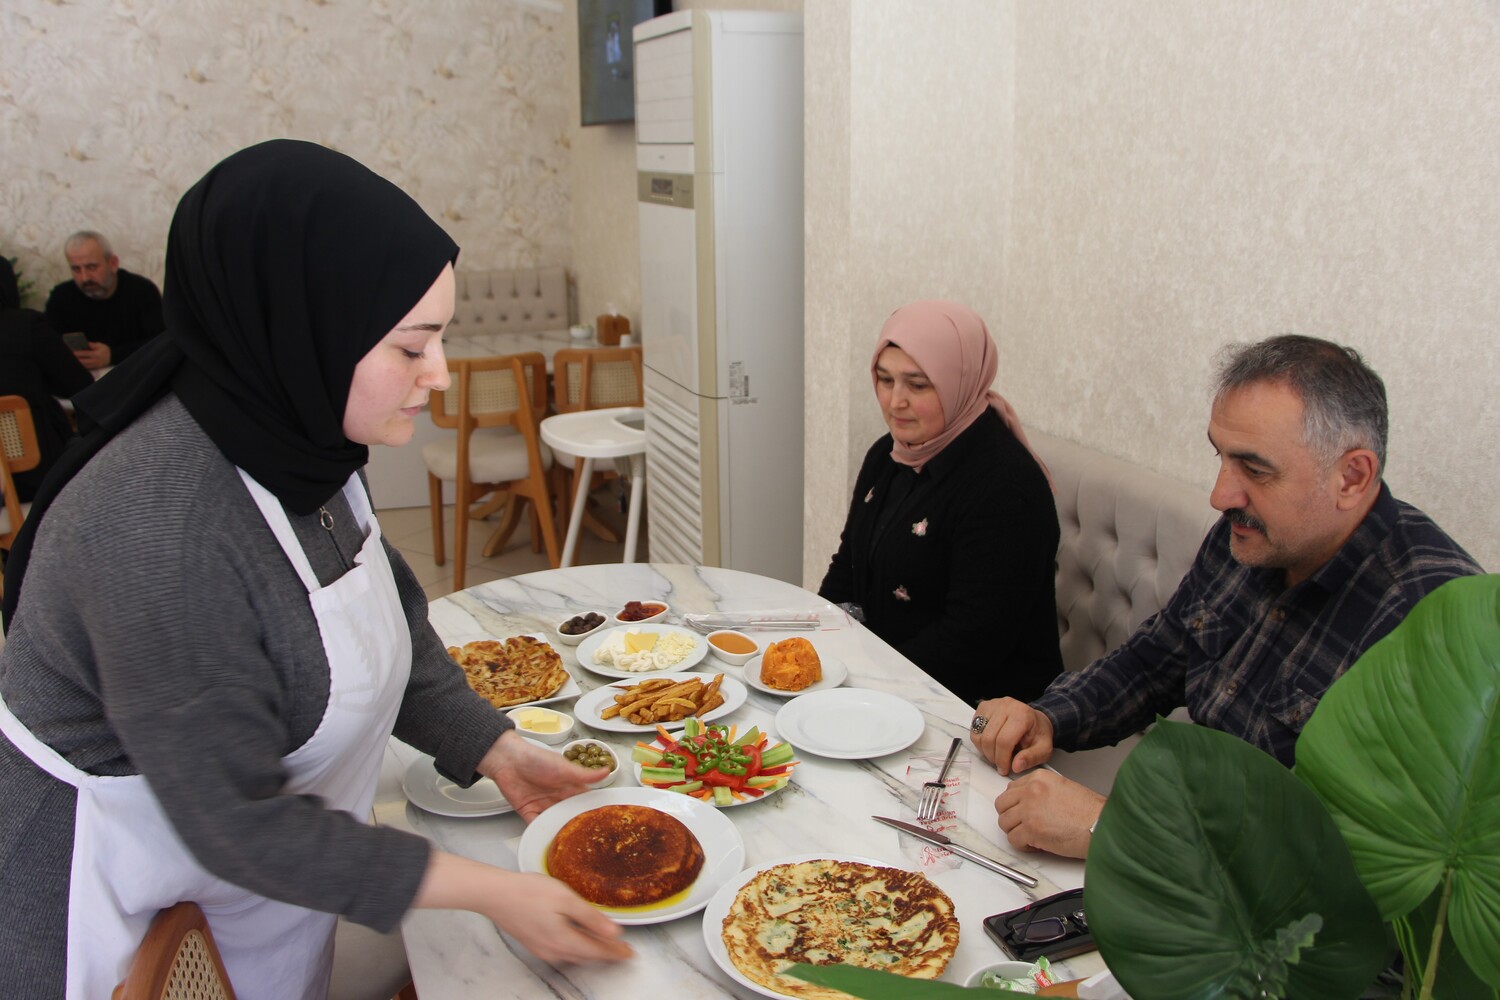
x=83, y=236
x=1343, y=400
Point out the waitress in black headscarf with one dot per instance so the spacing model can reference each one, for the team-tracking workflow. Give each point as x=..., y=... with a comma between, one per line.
x=209, y=642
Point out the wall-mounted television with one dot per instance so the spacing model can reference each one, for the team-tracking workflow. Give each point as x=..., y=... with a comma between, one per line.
x=606, y=58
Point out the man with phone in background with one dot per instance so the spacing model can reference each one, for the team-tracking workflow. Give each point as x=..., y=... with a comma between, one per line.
x=1312, y=562
x=105, y=313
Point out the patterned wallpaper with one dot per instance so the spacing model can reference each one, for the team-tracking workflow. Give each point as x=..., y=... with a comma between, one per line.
x=1128, y=186
x=111, y=109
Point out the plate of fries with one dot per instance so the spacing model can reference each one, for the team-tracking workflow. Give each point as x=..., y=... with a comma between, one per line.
x=661, y=700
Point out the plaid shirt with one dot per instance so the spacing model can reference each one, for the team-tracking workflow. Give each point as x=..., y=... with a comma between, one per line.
x=1249, y=655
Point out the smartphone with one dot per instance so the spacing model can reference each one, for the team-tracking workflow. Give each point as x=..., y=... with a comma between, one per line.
x=76, y=341
x=1055, y=926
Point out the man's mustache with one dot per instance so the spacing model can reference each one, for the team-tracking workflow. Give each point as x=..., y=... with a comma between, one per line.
x=1239, y=517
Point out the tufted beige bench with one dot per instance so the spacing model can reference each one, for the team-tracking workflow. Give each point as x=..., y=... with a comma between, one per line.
x=1128, y=537
x=520, y=301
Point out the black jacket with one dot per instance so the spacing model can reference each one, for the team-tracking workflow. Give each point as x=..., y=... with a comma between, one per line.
x=36, y=364
x=960, y=579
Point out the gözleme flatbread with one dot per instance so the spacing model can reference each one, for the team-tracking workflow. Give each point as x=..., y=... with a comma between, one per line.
x=512, y=672
x=826, y=912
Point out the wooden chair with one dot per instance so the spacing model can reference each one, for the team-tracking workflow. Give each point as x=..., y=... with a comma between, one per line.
x=593, y=379
x=19, y=452
x=495, y=405
x=177, y=960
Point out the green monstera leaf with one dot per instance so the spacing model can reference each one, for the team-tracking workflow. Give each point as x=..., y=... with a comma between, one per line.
x=1215, y=872
x=1404, y=750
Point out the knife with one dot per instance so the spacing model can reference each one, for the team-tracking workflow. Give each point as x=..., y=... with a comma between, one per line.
x=922, y=833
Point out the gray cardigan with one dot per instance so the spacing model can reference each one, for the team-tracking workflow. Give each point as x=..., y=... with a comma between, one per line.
x=162, y=631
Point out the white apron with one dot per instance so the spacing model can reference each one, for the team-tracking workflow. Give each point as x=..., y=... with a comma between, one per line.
x=128, y=861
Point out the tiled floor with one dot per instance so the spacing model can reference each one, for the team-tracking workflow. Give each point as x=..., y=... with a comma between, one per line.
x=410, y=531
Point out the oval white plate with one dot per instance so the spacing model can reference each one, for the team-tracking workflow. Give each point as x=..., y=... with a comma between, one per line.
x=570, y=688
x=589, y=646
x=732, y=802
x=723, y=850
x=428, y=790
x=834, y=675
x=849, y=723
x=586, y=709
x=718, y=908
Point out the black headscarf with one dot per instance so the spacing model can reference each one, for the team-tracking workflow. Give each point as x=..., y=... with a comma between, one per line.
x=286, y=264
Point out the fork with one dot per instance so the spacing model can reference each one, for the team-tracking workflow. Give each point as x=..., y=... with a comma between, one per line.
x=932, y=791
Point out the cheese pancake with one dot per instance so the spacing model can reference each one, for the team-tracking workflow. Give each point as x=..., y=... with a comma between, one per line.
x=512, y=672
x=625, y=855
x=830, y=912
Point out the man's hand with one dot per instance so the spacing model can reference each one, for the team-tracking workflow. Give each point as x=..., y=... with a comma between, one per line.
x=1043, y=811
x=1015, y=736
x=97, y=356
x=532, y=778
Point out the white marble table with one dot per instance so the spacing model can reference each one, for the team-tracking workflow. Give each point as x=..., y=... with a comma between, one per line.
x=456, y=956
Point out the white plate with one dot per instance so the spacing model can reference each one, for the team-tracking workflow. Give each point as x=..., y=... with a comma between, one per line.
x=570, y=688
x=849, y=723
x=834, y=674
x=718, y=908
x=636, y=765
x=723, y=850
x=587, y=648
x=587, y=708
x=426, y=789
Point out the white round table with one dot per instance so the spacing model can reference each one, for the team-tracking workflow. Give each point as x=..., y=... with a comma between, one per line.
x=619, y=433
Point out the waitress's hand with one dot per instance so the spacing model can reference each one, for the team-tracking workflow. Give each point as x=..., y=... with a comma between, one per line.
x=545, y=916
x=532, y=778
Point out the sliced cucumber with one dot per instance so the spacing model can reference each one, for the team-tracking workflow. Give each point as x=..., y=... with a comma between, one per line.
x=722, y=795
x=685, y=787
x=777, y=755
x=645, y=755
x=663, y=775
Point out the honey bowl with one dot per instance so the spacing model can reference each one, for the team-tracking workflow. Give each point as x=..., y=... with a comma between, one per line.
x=731, y=646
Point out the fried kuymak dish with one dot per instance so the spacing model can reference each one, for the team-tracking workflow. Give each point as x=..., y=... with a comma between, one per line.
x=827, y=912
x=790, y=665
x=625, y=855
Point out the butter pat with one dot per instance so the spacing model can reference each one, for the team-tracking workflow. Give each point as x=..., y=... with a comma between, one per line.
x=539, y=720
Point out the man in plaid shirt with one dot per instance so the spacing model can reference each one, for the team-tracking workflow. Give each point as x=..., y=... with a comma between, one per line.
x=1312, y=562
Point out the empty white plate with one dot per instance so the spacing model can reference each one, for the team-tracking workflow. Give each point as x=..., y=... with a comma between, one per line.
x=849, y=723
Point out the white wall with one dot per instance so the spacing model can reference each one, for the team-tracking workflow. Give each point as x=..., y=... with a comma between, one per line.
x=109, y=111
x=1121, y=189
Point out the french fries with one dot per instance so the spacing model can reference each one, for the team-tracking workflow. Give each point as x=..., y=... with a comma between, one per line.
x=662, y=700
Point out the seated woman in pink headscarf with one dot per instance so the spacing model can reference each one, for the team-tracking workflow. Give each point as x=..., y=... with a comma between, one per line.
x=948, y=548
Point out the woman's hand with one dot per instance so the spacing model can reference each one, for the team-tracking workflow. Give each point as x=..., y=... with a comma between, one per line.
x=532, y=778
x=544, y=915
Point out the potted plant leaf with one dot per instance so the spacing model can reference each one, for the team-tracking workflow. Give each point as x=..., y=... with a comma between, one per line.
x=1403, y=752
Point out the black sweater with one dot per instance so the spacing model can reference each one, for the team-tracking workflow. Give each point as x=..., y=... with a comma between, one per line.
x=124, y=321
x=959, y=576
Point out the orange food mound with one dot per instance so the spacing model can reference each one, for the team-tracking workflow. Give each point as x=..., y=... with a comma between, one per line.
x=790, y=665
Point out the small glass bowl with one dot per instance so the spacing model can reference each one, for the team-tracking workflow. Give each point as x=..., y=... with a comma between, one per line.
x=551, y=739
x=1006, y=970
x=735, y=659
x=614, y=772
x=643, y=621
x=573, y=640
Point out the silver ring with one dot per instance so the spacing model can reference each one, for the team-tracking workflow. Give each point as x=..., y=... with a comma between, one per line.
x=978, y=724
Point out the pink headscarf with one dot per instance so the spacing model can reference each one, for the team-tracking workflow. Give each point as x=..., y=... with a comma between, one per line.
x=957, y=354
